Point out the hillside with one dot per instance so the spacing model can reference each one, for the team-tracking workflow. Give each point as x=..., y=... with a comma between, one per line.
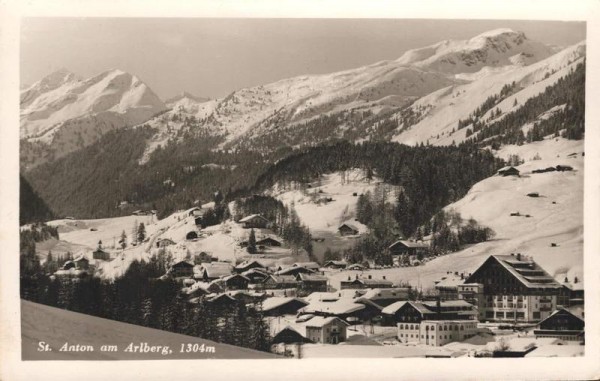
x=61, y=113
x=31, y=207
x=555, y=217
x=56, y=327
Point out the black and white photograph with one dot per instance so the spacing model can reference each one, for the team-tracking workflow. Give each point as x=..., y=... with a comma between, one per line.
x=302, y=188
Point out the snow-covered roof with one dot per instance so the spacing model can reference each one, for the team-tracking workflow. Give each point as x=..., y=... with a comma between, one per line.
x=320, y=321
x=411, y=244
x=283, y=278
x=313, y=278
x=337, y=263
x=307, y=265
x=252, y=216
x=249, y=263
x=386, y=293
x=520, y=268
x=235, y=276
x=339, y=307
x=277, y=301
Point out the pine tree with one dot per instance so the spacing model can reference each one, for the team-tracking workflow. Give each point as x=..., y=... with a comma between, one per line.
x=251, y=243
x=141, y=233
x=123, y=240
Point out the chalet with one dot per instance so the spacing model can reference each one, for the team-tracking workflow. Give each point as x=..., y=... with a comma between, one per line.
x=256, y=275
x=436, y=332
x=515, y=289
x=182, y=269
x=246, y=297
x=236, y=282
x=508, y=171
x=327, y=330
x=572, y=294
x=415, y=312
x=164, y=242
x=247, y=265
x=408, y=248
x=268, y=241
x=314, y=266
x=212, y=271
x=255, y=221
x=222, y=300
x=386, y=296
x=369, y=282
x=347, y=229
x=335, y=264
x=294, y=271
x=280, y=282
x=288, y=335
x=279, y=306
x=100, y=255
x=81, y=263
x=561, y=324
x=351, y=310
x=312, y=283
x=356, y=266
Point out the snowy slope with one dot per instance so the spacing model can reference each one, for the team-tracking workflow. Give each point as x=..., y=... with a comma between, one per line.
x=322, y=216
x=63, y=113
x=56, y=327
x=491, y=201
x=446, y=106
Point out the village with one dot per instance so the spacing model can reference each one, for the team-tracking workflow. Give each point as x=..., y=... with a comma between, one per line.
x=508, y=307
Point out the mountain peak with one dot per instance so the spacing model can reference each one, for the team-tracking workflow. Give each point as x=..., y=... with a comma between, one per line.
x=186, y=95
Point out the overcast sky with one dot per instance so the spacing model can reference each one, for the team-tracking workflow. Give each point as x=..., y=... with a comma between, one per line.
x=213, y=57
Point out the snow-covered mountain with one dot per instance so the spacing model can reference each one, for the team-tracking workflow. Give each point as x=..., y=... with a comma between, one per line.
x=62, y=113
x=429, y=79
x=185, y=96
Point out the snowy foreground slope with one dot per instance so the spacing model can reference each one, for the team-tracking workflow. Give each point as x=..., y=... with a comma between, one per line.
x=491, y=202
x=56, y=327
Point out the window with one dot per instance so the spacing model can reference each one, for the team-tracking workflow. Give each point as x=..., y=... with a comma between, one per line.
x=536, y=314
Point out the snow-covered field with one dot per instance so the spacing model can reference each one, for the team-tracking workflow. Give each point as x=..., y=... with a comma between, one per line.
x=555, y=217
x=341, y=187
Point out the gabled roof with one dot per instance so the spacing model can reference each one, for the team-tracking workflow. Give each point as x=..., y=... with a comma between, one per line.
x=278, y=301
x=313, y=278
x=349, y=225
x=340, y=307
x=508, y=167
x=283, y=278
x=336, y=263
x=520, y=269
x=410, y=244
x=252, y=216
x=293, y=270
x=235, y=276
x=561, y=311
x=255, y=271
x=214, y=269
x=307, y=265
x=182, y=263
x=249, y=263
x=320, y=321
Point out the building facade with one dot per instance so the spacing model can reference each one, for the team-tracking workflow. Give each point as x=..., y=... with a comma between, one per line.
x=437, y=332
x=515, y=290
